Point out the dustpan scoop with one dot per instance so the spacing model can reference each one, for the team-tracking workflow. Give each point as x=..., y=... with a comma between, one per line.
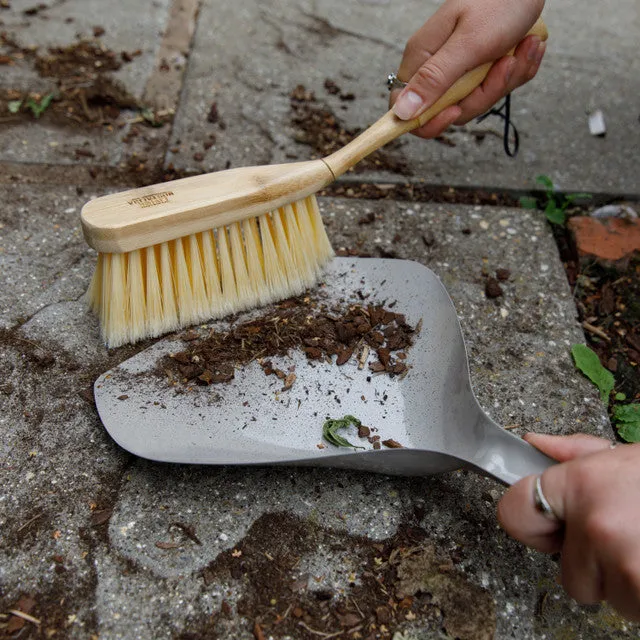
x=432, y=412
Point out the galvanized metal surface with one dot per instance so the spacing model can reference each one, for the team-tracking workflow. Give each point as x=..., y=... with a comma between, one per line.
x=432, y=411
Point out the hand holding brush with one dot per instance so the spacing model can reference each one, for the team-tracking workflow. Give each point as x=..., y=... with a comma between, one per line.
x=190, y=250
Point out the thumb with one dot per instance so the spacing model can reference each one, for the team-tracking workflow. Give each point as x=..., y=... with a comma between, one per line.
x=563, y=448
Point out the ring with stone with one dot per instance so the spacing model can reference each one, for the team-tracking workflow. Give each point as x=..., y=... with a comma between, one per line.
x=394, y=83
x=541, y=502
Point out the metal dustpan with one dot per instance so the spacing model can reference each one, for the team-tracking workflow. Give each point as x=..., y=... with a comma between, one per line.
x=432, y=412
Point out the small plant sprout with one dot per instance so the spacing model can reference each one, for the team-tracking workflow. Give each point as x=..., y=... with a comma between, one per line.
x=38, y=108
x=625, y=417
x=556, y=203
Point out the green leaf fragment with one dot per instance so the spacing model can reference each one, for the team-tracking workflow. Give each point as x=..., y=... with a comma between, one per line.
x=148, y=115
x=627, y=420
x=627, y=413
x=554, y=214
x=577, y=196
x=629, y=431
x=527, y=202
x=331, y=426
x=587, y=361
x=620, y=396
x=39, y=108
x=14, y=106
x=545, y=181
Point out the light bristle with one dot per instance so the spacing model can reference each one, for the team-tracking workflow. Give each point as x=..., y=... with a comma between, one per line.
x=136, y=298
x=246, y=297
x=155, y=311
x=218, y=305
x=274, y=276
x=184, y=294
x=307, y=238
x=208, y=275
x=297, y=248
x=196, y=273
x=167, y=283
x=117, y=310
x=93, y=293
x=227, y=279
x=255, y=261
x=287, y=264
x=324, y=250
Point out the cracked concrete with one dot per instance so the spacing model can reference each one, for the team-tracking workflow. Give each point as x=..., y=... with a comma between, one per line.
x=263, y=53
x=81, y=519
x=71, y=494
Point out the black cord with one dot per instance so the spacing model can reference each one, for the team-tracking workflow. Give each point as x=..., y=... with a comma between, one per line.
x=504, y=112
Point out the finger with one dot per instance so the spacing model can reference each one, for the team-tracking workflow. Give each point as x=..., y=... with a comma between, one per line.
x=520, y=518
x=563, y=448
x=432, y=78
x=580, y=574
x=622, y=588
x=438, y=125
x=426, y=41
x=507, y=74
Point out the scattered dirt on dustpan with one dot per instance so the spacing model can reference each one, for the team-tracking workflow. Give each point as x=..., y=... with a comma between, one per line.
x=322, y=332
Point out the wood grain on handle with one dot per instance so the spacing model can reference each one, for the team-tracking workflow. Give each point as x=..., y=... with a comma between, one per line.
x=390, y=126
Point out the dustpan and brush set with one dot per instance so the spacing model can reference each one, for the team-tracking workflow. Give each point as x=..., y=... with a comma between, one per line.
x=197, y=249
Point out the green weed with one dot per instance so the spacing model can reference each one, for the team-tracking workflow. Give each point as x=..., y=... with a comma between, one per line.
x=625, y=417
x=555, y=204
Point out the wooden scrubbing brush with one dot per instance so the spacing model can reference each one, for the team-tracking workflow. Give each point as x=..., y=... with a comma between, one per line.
x=182, y=252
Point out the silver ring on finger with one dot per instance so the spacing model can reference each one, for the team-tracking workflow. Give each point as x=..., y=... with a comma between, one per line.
x=541, y=503
x=394, y=83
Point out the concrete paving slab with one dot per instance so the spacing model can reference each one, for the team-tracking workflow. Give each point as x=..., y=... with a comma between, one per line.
x=43, y=256
x=120, y=29
x=136, y=549
x=248, y=59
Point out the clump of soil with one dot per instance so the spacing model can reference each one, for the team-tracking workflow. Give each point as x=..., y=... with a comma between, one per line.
x=403, y=580
x=317, y=126
x=83, y=59
x=304, y=324
x=86, y=93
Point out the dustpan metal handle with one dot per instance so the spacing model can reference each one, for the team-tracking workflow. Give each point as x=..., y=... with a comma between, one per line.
x=507, y=458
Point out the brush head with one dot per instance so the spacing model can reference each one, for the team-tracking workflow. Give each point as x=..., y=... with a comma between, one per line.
x=209, y=274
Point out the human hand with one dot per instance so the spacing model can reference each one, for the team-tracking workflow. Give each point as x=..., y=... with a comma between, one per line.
x=595, y=493
x=462, y=35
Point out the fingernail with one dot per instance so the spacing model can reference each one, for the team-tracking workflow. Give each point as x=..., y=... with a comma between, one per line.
x=510, y=68
x=407, y=105
x=540, y=52
x=533, y=48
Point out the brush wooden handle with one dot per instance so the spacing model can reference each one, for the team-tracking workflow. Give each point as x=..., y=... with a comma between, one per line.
x=389, y=127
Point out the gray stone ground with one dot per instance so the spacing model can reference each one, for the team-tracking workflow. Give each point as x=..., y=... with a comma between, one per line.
x=80, y=518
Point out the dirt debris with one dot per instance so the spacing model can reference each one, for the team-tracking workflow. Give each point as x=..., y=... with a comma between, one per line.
x=86, y=93
x=321, y=331
x=608, y=301
x=318, y=127
x=283, y=600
